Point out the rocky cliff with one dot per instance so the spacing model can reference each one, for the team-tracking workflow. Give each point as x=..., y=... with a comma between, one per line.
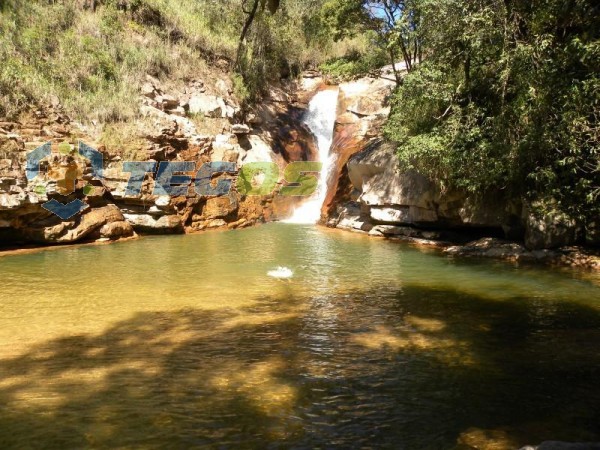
x=370, y=192
x=199, y=124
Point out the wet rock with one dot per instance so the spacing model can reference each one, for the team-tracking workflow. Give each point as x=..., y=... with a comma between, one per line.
x=489, y=248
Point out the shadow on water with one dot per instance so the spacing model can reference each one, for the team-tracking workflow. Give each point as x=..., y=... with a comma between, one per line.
x=417, y=369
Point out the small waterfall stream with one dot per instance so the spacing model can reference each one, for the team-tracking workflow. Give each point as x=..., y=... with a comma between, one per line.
x=320, y=118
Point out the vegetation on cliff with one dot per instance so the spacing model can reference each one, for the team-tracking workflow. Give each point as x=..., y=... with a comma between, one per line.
x=507, y=98
x=94, y=54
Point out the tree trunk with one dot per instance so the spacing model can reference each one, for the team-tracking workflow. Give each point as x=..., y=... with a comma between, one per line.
x=396, y=74
x=245, y=30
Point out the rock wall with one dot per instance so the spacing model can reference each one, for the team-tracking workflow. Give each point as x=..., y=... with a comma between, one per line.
x=168, y=130
x=385, y=194
x=370, y=192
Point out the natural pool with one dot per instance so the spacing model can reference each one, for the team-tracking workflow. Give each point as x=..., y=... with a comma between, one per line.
x=185, y=342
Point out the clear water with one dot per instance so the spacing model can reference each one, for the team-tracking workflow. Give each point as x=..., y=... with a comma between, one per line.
x=185, y=342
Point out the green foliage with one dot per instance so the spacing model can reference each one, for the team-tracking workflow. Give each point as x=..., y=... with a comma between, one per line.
x=507, y=99
x=281, y=45
x=239, y=88
x=95, y=61
x=392, y=25
x=354, y=64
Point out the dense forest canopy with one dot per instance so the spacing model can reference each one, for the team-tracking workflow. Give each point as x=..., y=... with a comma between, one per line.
x=499, y=96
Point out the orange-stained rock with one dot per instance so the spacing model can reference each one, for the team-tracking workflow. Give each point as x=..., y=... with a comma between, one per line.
x=86, y=225
x=362, y=111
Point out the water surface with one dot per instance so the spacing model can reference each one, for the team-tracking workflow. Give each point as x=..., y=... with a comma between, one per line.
x=185, y=342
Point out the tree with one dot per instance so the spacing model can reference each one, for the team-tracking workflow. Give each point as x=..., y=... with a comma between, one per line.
x=271, y=5
x=396, y=23
x=507, y=100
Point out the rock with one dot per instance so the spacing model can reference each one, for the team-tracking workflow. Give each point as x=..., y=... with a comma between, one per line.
x=242, y=223
x=223, y=87
x=149, y=223
x=219, y=207
x=8, y=201
x=179, y=111
x=366, y=97
x=240, y=128
x=396, y=196
x=592, y=234
x=167, y=101
x=489, y=248
x=163, y=201
x=148, y=90
x=52, y=231
x=392, y=230
x=311, y=74
x=367, y=106
x=217, y=223
x=403, y=215
x=547, y=228
x=209, y=105
x=254, y=119
x=116, y=230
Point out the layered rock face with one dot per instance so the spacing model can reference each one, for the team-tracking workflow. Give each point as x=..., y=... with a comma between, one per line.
x=198, y=125
x=370, y=192
x=388, y=195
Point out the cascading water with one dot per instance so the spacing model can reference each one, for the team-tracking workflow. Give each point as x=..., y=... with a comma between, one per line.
x=320, y=119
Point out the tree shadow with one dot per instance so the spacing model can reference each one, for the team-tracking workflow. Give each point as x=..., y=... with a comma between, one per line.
x=420, y=368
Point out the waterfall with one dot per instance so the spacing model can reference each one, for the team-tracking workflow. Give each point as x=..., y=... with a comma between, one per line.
x=320, y=119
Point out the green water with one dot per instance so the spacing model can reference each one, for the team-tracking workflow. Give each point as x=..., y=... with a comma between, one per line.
x=185, y=342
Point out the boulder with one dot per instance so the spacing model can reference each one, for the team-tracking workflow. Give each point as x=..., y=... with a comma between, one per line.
x=367, y=106
x=90, y=222
x=209, y=105
x=350, y=217
x=148, y=223
x=116, y=230
x=397, y=196
x=219, y=207
x=548, y=228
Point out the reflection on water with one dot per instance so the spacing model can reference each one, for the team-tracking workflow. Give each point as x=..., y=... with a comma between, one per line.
x=185, y=342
